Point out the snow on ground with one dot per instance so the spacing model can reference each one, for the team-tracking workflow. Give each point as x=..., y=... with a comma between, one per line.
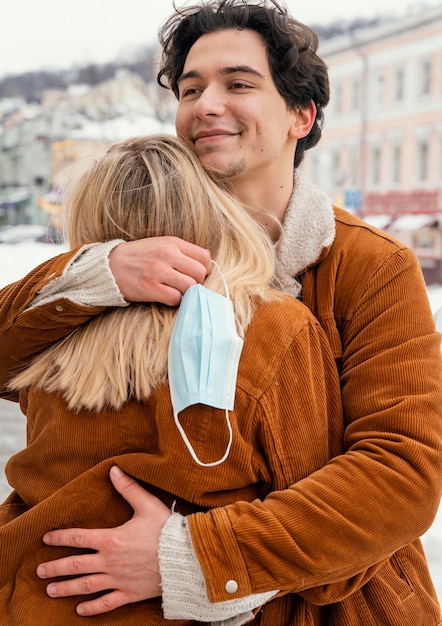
x=16, y=260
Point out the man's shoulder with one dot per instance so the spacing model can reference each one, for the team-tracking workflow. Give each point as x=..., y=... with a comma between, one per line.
x=356, y=240
x=349, y=226
x=363, y=264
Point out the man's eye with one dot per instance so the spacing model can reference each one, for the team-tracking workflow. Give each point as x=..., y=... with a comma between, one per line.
x=240, y=86
x=189, y=91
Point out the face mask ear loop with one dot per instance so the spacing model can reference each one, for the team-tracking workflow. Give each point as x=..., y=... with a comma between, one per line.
x=222, y=278
x=192, y=451
x=229, y=425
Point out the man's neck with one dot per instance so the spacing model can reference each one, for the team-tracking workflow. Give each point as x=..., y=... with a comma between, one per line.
x=268, y=202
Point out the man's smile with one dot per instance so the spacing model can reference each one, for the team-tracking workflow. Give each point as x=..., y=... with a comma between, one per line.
x=203, y=137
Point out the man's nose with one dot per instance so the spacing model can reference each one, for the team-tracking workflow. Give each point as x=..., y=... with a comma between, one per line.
x=210, y=102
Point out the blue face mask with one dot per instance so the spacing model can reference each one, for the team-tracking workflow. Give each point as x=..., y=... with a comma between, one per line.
x=204, y=353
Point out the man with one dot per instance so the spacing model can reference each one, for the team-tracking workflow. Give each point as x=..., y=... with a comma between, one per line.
x=251, y=90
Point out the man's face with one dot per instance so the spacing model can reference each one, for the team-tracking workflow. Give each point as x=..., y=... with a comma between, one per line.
x=231, y=111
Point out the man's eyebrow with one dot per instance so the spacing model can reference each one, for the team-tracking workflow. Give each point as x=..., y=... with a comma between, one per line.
x=244, y=69
x=225, y=71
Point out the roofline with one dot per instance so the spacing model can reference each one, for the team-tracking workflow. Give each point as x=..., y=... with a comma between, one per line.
x=361, y=37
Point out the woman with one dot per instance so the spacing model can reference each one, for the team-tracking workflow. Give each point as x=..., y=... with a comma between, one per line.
x=95, y=386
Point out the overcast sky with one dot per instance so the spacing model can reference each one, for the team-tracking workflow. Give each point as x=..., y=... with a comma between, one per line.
x=55, y=34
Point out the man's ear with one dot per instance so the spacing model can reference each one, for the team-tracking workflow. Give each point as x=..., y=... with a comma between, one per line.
x=303, y=122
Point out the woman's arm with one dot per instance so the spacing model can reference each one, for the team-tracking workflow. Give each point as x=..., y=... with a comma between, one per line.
x=27, y=329
x=67, y=290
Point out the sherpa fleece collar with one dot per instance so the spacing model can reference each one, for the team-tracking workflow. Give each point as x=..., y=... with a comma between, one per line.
x=308, y=228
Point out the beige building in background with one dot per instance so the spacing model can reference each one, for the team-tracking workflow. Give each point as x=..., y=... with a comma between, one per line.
x=37, y=142
x=381, y=152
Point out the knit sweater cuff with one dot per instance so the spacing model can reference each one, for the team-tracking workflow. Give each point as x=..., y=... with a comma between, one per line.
x=184, y=587
x=86, y=280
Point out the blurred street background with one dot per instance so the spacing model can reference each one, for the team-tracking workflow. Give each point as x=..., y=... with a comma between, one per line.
x=12, y=438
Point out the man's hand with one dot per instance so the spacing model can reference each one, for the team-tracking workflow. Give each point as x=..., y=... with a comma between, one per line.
x=126, y=560
x=158, y=269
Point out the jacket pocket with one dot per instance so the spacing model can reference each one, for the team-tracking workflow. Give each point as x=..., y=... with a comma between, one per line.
x=402, y=592
x=396, y=577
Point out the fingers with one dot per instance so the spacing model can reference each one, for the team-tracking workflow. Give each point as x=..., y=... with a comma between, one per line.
x=79, y=586
x=87, y=585
x=177, y=265
x=200, y=256
x=69, y=566
x=84, y=583
x=104, y=604
x=73, y=537
x=142, y=502
x=138, y=498
x=158, y=269
x=125, y=558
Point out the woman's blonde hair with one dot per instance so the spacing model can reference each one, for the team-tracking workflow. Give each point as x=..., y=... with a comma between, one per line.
x=148, y=187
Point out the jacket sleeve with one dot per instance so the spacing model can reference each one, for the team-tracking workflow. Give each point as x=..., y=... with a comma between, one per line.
x=381, y=492
x=27, y=330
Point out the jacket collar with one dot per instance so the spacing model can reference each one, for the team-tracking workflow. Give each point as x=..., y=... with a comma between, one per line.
x=308, y=230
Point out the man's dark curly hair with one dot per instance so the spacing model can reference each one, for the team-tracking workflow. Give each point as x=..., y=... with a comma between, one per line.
x=298, y=73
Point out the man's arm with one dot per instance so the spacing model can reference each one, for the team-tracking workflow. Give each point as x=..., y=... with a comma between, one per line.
x=129, y=559
x=383, y=492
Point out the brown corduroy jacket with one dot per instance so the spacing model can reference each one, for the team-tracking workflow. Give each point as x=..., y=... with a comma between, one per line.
x=323, y=507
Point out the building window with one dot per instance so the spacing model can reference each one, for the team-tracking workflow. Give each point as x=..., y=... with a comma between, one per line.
x=422, y=165
x=396, y=157
x=376, y=166
x=337, y=98
x=353, y=164
x=440, y=159
x=336, y=164
x=398, y=84
x=425, y=77
x=378, y=90
x=355, y=94
x=424, y=239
